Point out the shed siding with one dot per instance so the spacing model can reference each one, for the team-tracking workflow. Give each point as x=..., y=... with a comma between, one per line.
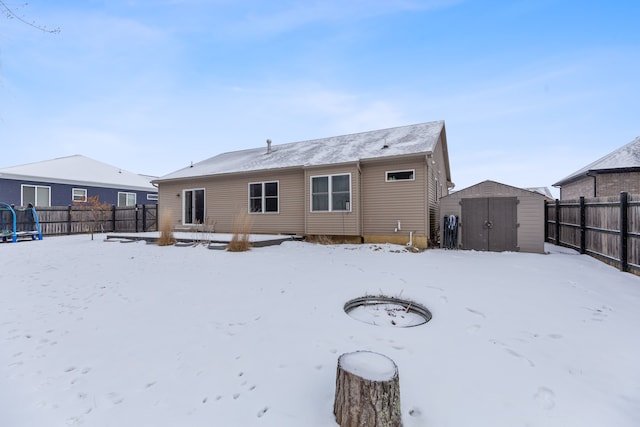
x=530, y=211
x=386, y=203
x=332, y=223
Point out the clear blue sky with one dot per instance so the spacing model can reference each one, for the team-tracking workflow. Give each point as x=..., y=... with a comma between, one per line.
x=530, y=90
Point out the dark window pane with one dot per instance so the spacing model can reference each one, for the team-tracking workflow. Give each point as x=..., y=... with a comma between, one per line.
x=270, y=188
x=199, y=207
x=320, y=202
x=340, y=183
x=339, y=202
x=188, y=206
x=255, y=190
x=320, y=184
x=271, y=204
x=256, y=205
x=400, y=175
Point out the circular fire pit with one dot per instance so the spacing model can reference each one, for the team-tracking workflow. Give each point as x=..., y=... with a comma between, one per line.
x=387, y=311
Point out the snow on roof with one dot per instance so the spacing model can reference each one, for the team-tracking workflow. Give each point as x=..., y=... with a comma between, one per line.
x=79, y=170
x=542, y=190
x=413, y=139
x=627, y=156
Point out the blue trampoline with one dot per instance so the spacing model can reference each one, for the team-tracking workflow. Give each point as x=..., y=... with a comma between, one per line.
x=18, y=223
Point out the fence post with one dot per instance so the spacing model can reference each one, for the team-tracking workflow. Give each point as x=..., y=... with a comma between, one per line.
x=136, y=207
x=69, y=219
x=583, y=226
x=624, y=230
x=557, y=222
x=144, y=218
x=113, y=218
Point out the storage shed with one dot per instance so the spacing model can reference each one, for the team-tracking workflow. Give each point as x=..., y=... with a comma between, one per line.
x=495, y=217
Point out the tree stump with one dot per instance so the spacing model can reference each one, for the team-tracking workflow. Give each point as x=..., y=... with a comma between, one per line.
x=367, y=391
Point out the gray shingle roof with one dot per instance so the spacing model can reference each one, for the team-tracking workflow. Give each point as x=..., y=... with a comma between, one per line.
x=78, y=169
x=399, y=141
x=627, y=156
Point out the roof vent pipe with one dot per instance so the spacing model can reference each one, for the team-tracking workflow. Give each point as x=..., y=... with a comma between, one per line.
x=268, y=146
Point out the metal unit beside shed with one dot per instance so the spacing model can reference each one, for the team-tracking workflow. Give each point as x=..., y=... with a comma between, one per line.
x=496, y=217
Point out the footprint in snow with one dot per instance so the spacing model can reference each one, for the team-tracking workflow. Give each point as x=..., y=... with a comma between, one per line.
x=476, y=312
x=262, y=411
x=546, y=397
x=473, y=329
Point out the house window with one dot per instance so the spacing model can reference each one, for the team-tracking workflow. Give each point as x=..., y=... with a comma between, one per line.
x=263, y=197
x=79, y=194
x=406, y=175
x=331, y=193
x=36, y=195
x=126, y=199
x=193, y=206
x=152, y=196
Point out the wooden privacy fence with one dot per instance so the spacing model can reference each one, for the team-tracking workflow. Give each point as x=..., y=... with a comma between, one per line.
x=56, y=220
x=607, y=228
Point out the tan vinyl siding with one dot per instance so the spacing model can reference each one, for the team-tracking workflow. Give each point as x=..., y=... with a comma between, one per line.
x=386, y=203
x=225, y=196
x=531, y=224
x=333, y=223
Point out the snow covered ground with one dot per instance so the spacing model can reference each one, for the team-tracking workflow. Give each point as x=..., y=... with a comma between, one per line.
x=97, y=333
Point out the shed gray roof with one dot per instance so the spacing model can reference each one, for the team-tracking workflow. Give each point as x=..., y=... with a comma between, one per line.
x=78, y=170
x=414, y=139
x=627, y=156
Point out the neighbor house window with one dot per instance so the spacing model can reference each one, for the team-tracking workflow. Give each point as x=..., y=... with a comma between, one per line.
x=152, y=196
x=193, y=207
x=331, y=193
x=406, y=175
x=263, y=197
x=36, y=195
x=79, y=194
x=126, y=199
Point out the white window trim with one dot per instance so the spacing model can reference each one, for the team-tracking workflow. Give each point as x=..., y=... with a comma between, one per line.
x=413, y=174
x=135, y=197
x=36, y=187
x=330, y=193
x=263, y=198
x=73, y=196
x=152, y=196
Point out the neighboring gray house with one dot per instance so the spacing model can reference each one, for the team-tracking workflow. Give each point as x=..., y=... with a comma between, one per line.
x=614, y=173
x=378, y=186
x=65, y=180
x=496, y=217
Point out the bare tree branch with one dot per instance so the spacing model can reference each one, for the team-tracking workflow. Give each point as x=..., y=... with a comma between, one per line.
x=10, y=14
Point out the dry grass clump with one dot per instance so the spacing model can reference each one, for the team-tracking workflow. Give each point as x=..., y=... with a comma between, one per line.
x=241, y=230
x=166, y=231
x=320, y=239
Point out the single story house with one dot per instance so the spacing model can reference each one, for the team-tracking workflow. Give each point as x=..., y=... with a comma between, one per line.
x=377, y=186
x=491, y=216
x=65, y=180
x=614, y=173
